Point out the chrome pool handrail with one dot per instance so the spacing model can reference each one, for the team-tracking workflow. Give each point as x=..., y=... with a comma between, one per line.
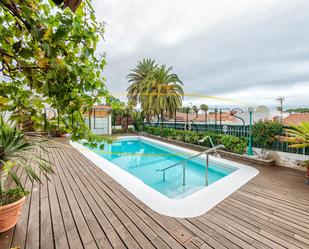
x=183, y=162
x=210, y=140
x=140, y=134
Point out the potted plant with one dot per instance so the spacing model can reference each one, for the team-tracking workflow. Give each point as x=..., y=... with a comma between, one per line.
x=17, y=151
x=298, y=137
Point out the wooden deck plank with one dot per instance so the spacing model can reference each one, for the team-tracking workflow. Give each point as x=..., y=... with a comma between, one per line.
x=82, y=207
x=46, y=228
x=120, y=207
x=80, y=221
x=98, y=234
x=86, y=203
x=109, y=212
x=20, y=231
x=266, y=226
x=72, y=234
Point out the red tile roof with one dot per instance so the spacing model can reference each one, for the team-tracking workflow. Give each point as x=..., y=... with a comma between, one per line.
x=296, y=119
x=102, y=107
x=201, y=117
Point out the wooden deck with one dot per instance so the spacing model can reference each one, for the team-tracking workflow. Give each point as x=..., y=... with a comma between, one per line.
x=82, y=207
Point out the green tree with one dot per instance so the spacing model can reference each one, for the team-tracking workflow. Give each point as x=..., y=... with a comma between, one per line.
x=204, y=108
x=298, y=110
x=48, y=57
x=264, y=133
x=155, y=88
x=140, y=79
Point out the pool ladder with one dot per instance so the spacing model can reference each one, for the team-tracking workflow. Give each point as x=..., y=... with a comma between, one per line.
x=140, y=134
x=183, y=163
x=211, y=142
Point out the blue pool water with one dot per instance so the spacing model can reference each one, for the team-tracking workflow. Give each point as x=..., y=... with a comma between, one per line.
x=142, y=158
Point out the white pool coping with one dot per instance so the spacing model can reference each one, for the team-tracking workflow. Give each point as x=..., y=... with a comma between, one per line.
x=192, y=205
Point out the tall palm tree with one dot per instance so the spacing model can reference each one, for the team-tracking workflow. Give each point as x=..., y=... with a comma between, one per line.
x=155, y=88
x=205, y=109
x=165, y=93
x=139, y=79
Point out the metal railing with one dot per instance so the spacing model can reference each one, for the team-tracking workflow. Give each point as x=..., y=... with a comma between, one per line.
x=183, y=162
x=210, y=140
x=140, y=134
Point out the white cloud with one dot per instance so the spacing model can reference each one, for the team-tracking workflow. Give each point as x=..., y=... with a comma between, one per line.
x=224, y=48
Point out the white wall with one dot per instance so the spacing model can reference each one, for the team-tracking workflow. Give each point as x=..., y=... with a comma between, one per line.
x=102, y=126
x=290, y=160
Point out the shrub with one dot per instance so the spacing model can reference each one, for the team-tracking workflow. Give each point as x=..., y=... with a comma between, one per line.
x=264, y=133
x=231, y=143
x=234, y=144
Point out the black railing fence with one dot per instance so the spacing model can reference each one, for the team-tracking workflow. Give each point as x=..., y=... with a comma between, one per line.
x=214, y=120
x=235, y=130
x=211, y=121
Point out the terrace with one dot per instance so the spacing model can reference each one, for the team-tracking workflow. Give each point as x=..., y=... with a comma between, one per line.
x=82, y=207
x=90, y=189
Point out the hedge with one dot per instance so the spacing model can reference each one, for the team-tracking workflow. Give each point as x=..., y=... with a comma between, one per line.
x=231, y=143
x=264, y=133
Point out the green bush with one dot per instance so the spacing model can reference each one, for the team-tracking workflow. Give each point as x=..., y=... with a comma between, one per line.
x=231, y=143
x=264, y=132
x=234, y=144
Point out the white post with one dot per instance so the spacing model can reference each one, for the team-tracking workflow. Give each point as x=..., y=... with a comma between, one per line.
x=184, y=173
x=207, y=165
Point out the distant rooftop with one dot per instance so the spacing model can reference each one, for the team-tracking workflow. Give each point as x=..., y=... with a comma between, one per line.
x=296, y=119
x=225, y=117
x=102, y=107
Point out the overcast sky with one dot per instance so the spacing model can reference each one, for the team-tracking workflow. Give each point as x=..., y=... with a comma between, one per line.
x=247, y=52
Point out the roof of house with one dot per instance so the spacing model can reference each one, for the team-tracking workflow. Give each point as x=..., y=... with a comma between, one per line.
x=296, y=119
x=99, y=111
x=102, y=107
x=201, y=117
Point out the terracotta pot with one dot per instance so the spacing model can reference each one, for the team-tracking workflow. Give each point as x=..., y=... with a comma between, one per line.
x=9, y=214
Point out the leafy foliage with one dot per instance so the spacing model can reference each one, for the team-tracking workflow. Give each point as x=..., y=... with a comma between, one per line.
x=16, y=151
x=155, y=88
x=204, y=107
x=48, y=57
x=298, y=135
x=11, y=196
x=264, y=133
x=231, y=143
x=298, y=110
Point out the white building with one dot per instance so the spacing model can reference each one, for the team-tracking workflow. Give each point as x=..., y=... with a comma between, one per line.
x=99, y=120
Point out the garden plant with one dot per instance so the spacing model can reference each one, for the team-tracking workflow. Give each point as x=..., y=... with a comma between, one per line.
x=298, y=137
x=17, y=151
x=232, y=143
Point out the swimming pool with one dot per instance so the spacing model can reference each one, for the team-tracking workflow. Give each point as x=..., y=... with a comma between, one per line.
x=145, y=160
x=137, y=164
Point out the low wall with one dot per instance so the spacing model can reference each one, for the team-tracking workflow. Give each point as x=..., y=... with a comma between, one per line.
x=285, y=159
x=226, y=154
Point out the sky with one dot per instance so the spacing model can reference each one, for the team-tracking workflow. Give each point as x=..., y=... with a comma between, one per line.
x=227, y=53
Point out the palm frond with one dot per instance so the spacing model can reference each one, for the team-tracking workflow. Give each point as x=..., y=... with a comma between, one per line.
x=297, y=135
x=21, y=152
